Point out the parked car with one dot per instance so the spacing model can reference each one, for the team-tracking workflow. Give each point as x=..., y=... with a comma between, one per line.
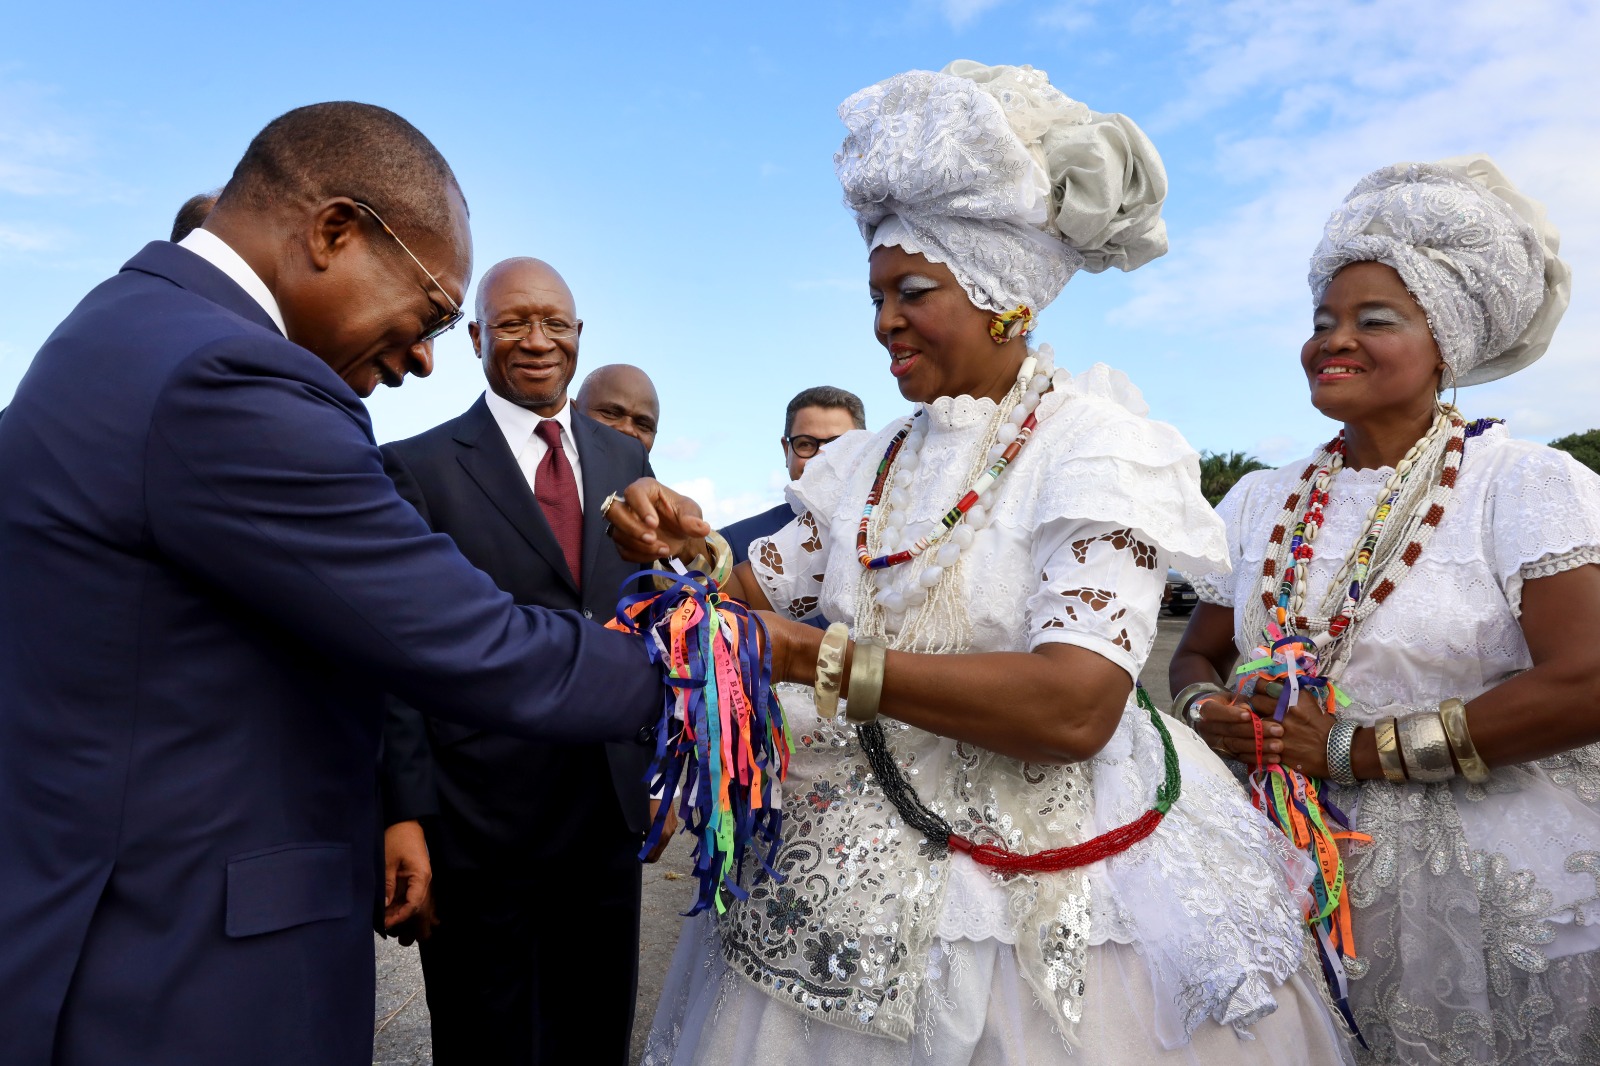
x=1179, y=598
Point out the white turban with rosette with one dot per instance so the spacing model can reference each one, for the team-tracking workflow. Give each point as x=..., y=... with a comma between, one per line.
x=1004, y=179
x=1479, y=257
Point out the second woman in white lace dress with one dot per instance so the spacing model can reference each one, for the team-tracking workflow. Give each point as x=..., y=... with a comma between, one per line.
x=1008, y=693
x=1471, y=657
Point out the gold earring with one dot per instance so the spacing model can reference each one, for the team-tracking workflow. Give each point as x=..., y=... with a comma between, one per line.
x=1007, y=325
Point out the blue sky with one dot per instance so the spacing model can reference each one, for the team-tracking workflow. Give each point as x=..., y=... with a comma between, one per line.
x=675, y=163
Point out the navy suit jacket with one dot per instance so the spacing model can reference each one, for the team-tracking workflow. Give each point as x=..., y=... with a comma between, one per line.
x=489, y=799
x=207, y=581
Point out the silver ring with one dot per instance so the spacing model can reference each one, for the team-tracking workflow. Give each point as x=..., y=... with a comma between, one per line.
x=607, y=503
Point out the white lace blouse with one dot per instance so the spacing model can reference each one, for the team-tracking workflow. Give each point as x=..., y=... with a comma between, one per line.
x=1494, y=888
x=1084, y=524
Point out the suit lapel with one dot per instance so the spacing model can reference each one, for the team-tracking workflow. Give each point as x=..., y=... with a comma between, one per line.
x=488, y=461
x=600, y=479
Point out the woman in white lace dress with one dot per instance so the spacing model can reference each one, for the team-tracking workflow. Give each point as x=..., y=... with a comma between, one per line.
x=1007, y=695
x=1469, y=653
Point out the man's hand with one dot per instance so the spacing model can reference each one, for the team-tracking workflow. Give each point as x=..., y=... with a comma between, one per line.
x=667, y=829
x=407, y=873
x=649, y=521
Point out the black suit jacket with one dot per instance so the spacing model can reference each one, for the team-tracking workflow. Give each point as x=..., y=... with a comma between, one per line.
x=489, y=799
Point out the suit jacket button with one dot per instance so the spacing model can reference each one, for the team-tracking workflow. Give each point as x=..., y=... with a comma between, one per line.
x=588, y=613
x=647, y=735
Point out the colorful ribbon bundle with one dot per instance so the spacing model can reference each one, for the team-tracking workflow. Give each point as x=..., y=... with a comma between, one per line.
x=723, y=744
x=1293, y=802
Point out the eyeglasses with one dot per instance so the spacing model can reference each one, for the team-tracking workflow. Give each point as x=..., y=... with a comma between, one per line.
x=516, y=329
x=455, y=313
x=805, y=447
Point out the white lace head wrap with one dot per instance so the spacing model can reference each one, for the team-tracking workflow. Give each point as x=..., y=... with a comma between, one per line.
x=1001, y=177
x=1475, y=253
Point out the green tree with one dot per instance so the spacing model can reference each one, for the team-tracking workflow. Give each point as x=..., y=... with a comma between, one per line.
x=1584, y=447
x=1219, y=471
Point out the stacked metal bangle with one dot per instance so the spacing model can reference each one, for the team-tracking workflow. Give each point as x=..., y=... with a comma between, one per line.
x=1453, y=715
x=830, y=669
x=1394, y=770
x=1183, y=704
x=866, y=682
x=1426, y=750
x=1340, y=739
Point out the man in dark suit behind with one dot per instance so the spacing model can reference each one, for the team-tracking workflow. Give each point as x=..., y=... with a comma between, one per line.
x=208, y=583
x=533, y=846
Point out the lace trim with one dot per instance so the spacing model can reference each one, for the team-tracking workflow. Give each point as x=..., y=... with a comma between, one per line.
x=1549, y=566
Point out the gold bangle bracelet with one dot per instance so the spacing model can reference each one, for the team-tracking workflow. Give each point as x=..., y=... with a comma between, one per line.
x=1389, y=752
x=866, y=682
x=721, y=564
x=1425, y=748
x=830, y=669
x=1453, y=713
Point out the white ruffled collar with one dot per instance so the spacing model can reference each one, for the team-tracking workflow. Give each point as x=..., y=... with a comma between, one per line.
x=949, y=414
x=957, y=413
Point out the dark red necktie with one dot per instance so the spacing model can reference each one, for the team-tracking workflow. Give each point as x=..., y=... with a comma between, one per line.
x=557, y=492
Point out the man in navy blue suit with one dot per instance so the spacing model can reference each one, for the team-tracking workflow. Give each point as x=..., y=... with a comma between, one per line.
x=209, y=581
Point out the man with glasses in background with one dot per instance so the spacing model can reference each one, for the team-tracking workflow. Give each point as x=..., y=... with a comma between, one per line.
x=816, y=417
x=533, y=847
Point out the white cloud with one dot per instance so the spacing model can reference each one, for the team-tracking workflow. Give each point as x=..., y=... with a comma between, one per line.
x=719, y=510
x=42, y=150
x=1346, y=88
x=961, y=13
x=679, y=449
x=26, y=238
x=1067, y=17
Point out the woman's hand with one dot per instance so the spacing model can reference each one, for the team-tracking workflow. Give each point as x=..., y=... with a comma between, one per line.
x=1300, y=740
x=1302, y=735
x=649, y=521
x=1225, y=724
x=794, y=648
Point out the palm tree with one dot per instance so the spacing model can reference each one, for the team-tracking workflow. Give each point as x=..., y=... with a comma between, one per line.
x=1220, y=470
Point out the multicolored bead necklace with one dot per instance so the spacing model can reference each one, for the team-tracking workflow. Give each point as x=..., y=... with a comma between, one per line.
x=1035, y=386
x=1284, y=573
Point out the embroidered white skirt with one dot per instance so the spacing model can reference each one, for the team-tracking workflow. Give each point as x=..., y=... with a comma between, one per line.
x=976, y=1010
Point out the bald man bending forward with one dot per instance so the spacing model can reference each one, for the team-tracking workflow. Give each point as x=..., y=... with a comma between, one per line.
x=208, y=583
x=534, y=846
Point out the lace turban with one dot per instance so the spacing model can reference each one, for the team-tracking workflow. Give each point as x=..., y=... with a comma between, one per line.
x=1475, y=253
x=1004, y=179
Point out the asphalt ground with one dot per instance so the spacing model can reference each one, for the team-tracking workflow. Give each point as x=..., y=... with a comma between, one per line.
x=401, y=1022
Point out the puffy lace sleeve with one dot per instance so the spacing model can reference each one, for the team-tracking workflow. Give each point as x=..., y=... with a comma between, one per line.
x=1544, y=514
x=1216, y=585
x=790, y=564
x=1099, y=588
x=1096, y=458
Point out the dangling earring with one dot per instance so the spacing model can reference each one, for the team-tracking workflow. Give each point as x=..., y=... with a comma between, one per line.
x=1009, y=324
x=1451, y=372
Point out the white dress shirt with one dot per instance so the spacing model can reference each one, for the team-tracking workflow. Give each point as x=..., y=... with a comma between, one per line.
x=215, y=250
x=518, y=424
